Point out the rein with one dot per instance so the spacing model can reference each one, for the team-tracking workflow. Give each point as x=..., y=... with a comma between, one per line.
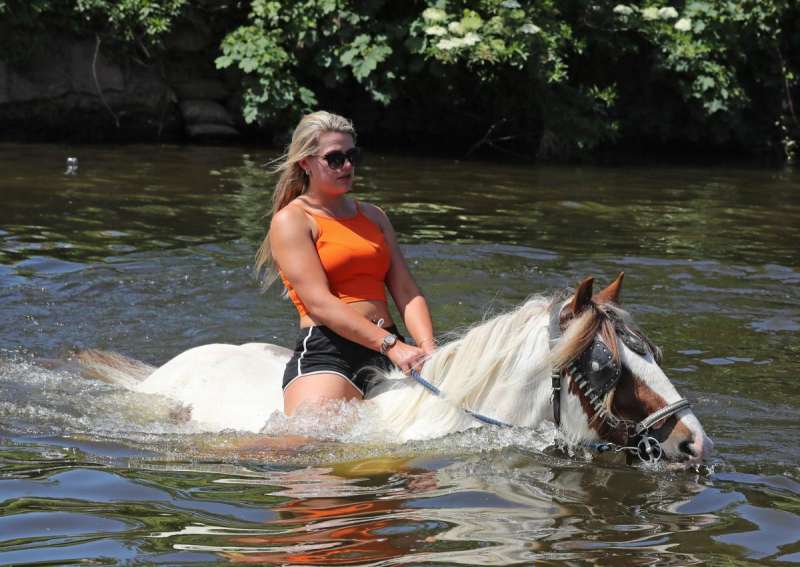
x=439, y=394
x=639, y=442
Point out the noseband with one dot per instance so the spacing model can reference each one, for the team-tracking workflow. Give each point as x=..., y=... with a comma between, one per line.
x=596, y=373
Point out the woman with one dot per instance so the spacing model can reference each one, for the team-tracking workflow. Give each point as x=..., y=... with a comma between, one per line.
x=336, y=255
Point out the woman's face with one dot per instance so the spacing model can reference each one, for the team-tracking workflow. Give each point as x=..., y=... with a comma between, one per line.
x=323, y=176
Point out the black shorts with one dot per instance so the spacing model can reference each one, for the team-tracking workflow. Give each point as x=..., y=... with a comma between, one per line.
x=320, y=350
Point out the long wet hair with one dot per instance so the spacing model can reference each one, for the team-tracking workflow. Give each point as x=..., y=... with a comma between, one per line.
x=293, y=181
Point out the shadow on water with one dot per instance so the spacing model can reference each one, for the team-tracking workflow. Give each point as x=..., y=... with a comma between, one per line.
x=148, y=251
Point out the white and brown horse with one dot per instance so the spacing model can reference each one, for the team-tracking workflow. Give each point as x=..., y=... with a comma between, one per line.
x=578, y=362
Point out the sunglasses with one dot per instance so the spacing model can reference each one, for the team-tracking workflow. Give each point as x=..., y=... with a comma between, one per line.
x=335, y=160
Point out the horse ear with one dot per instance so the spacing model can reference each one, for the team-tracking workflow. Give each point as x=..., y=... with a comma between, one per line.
x=583, y=296
x=612, y=293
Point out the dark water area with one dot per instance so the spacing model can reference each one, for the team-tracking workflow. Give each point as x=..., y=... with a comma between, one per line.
x=148, y=251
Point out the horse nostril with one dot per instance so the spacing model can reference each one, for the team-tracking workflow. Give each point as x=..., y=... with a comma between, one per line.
x=686, y=447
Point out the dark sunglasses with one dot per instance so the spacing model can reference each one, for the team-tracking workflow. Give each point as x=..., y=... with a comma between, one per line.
x=335, y=160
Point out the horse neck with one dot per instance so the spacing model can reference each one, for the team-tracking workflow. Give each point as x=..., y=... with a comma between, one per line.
x=499, y=368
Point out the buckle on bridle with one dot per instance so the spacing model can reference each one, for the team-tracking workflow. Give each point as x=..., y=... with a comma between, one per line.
x=649, y=450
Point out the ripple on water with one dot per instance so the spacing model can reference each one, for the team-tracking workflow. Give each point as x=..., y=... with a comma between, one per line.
x=45, y=265
x=776, y=324
x=34, y=525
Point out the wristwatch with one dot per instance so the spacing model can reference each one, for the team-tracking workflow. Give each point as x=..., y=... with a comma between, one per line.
x=388, y=342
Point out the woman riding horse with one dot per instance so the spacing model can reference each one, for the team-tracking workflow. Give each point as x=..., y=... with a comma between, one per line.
x=336, y=256
x=578, y=362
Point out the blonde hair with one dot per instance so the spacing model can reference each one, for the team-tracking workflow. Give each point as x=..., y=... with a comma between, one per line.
x=293, y=181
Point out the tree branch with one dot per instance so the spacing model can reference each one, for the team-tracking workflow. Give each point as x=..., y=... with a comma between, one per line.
x=97, y=81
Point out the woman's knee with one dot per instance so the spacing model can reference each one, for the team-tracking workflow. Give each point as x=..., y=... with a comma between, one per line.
x=317, y=388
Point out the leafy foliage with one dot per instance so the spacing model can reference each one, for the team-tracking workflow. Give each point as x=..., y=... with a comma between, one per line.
x=287, y=45
x=26, y=26
x=554, y=78
x=133, y=19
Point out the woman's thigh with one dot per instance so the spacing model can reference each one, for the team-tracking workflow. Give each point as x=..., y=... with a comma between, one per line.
x=316, y=388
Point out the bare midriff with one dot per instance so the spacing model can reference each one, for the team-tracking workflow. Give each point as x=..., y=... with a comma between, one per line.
x=372, y=310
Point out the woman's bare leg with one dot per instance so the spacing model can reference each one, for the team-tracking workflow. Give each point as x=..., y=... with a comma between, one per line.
x=315, y=389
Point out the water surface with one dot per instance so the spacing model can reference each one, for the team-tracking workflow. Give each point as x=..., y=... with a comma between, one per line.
x=148, y=251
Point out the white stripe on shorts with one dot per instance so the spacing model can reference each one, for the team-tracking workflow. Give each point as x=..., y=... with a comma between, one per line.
x=305, y=348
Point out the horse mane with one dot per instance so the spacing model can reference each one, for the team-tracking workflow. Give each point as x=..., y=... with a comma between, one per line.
x=513, y=347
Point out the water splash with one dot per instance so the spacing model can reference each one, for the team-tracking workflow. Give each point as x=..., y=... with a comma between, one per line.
x=37, y=400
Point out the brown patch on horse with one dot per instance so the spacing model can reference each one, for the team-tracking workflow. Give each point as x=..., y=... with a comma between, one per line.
x=634, y=401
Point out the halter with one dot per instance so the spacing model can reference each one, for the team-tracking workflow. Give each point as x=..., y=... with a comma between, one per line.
x=595, y=373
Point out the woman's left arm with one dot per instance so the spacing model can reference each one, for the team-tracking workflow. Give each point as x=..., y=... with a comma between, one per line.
x=406, y=293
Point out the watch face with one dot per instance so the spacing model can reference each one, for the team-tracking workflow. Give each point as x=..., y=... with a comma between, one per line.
x=388, y=342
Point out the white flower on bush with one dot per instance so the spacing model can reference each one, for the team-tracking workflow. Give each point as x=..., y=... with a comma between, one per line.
x=511, y=4
x=623, y=10
x=448, y=44
x=530, y=28
x=434, y=15
x=456, y=28
x=684, y=24
x=470, y=39
x=436, y=30
x=667, y=13
x=650, y=13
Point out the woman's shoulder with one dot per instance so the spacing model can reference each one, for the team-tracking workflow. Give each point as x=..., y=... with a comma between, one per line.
x=292, y=216
x=372, y=212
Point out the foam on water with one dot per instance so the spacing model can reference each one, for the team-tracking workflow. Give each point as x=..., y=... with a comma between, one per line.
x=35, y=400
x=42, y=401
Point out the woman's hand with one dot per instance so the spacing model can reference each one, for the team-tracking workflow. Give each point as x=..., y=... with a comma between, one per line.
x=428, y=345
x=406, y=357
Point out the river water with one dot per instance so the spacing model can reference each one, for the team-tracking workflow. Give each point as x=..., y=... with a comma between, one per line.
x=148, y=251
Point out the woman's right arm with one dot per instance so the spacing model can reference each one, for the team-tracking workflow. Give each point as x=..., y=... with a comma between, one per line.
x=292, y=245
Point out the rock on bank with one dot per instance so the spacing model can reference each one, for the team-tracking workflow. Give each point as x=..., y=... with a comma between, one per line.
x=76, y=89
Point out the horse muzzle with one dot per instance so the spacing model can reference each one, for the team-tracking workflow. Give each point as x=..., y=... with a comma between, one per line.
x=687, y=442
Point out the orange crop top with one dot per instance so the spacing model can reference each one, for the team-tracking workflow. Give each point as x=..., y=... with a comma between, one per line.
x=355, y=257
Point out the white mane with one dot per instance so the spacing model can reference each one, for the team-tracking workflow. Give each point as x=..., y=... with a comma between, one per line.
x=511, y=349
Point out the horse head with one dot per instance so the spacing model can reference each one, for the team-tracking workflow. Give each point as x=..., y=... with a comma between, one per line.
x=609, y=385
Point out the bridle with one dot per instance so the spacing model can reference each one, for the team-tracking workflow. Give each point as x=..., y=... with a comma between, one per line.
x=596, y=373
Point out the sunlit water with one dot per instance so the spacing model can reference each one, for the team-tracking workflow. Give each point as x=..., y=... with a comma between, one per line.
x=148, y=251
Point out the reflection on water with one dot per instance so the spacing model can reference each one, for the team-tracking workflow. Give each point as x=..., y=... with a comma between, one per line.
x=148, y=251
x=499, y=507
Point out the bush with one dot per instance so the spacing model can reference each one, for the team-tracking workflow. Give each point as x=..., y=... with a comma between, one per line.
x=551, y=78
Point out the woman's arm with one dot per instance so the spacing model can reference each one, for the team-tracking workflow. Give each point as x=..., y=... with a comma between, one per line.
x=292, y=244
x=406, y=293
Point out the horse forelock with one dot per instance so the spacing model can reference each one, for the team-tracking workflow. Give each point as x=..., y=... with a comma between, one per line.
x=578, y=336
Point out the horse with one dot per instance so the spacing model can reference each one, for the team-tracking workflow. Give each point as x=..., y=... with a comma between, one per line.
x=578, y=362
